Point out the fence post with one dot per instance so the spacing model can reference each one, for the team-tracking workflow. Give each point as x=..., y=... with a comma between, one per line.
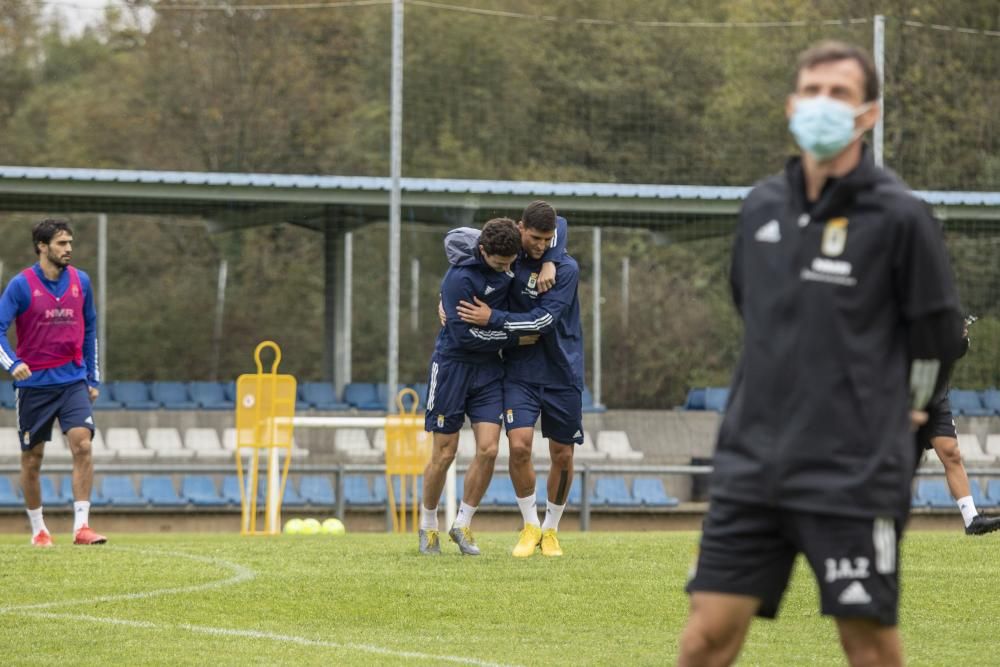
x=585, y=505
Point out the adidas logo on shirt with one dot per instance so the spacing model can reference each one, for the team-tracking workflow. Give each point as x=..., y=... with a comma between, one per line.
x=490, y=289
x=855, y=593
x=769, y=233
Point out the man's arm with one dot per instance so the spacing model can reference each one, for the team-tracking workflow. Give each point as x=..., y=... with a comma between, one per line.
x=540, y=319
x=556, y=251
x=455, y=288
x=90, y=337
x=13, y=302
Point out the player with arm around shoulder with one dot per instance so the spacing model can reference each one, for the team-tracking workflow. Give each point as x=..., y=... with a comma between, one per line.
x=55, y=370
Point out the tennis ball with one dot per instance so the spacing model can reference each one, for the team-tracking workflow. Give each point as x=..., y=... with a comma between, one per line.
x=294, y=527
x=310, y=526
x=333, y=527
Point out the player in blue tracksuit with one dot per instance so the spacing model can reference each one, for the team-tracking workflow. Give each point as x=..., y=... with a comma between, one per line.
x=544, y=379
x=466, y=379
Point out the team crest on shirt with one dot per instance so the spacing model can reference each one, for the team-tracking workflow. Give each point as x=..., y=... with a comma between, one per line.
x=532, y=280
x=36, y=293
x=834, y=237
x=75, y=291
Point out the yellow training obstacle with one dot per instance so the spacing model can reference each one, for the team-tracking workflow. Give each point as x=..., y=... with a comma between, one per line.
x=265, y=408
x=407, y=450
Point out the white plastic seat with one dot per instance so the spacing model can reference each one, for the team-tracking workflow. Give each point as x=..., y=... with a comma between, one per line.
x=205, y=444
x=971, y=450
x=99, y=451
x=993, y=445
x=587, y=451
x=127, y=443
x=353, y=442
x=617, y=446
x=167, y=443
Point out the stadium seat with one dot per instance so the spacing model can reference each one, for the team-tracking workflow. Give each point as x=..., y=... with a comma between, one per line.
x=6, y=393
x=118, y=490
x=991, y=400
x=971, y=450
x=66, y=490
x=99, y=451
x=353, y=443
x=716, y=398
x=649, y=491
x=587, y=452
x=210, y=395
x=993, y=445
x=357, y=490
x=317, y=490
x=159, y=491
x=993, y=491
x=291, y=497
x=500, y=492
x=9, y=495
x=363, y=396
x=205, y=444
x=412, y=496
x=172, y=395
x=467, y=445
x=978, y=497
x=966, y=402
x=588, y=402
x=612, y=490
x=127, y=443
x=617, y=446
x=200, y=490
x=695, y=400
x=421, y=389
x=133, y=395
x=10, y=444
x=231, y=490
x=934, y=493
x=321, y=396
x=167, y=443
x=104, y=400
x=52, y=493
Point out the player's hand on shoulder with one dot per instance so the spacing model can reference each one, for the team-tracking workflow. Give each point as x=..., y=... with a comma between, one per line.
x=21, y=371
x=477, y=313
x=546, y=278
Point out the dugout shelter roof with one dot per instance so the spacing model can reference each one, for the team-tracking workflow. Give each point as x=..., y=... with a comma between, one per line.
x=230, y=200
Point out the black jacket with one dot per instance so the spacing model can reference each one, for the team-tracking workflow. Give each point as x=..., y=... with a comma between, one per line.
x=831, y=295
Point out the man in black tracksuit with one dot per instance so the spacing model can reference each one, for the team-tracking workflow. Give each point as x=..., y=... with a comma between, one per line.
x=851, y=322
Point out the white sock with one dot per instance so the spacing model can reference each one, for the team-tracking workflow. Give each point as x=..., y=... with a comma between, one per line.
x=465, y=514
x=529, y=510
x=428, y=518
x=553, y=513
x=37, y=522
x=968, y=508
x=81, y=514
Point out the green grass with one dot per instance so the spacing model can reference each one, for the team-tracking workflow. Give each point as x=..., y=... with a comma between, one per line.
x=364, y=599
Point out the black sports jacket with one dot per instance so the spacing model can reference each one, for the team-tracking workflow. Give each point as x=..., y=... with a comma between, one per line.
x=832, y=296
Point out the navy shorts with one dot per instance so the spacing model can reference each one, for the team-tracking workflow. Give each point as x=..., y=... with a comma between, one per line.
x=561, y=408
x=458, y=388
x=38, y=407
x=940, y=423
x=751, y=550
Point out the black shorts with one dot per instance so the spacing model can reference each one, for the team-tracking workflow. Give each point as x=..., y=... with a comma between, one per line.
x=940, y=423
x=751, y=550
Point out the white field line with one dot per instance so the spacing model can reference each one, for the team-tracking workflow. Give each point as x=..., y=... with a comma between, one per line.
x=240, y=574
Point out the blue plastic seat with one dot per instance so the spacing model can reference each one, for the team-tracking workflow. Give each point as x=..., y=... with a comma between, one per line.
x=231, y=490
x=966, y=402
x=172, y=395
x=934, y=493
x=612, y=490
x=587, y=398
x=104, y=400
x=317, y=490
x=118, y=490
x=9, y=495
x=716, y=398
x=6, y=394
x=357, y=490
x=66, y=490
x=542, y=493
x=200, y=490
x=321, y=395
x=158, y=490
x=133, y=395
x=695, y=400
x=421, y=389
x=210, y=395
x=649, y=491
x=978, y=497
x=363, y=396
x=991, y=400
x=52, y=494
x=500, y=492
x=993, y=491
x=292, y=498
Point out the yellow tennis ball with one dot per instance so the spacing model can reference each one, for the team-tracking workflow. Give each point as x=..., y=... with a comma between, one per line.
x=294, y=527
x=310, y=526
x=333, y=527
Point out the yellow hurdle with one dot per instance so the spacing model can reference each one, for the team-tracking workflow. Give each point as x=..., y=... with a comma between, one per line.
x=265, y=407
x=407, y=450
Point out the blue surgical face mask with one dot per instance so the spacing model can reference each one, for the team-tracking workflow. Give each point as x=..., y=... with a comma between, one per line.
x=823, y=126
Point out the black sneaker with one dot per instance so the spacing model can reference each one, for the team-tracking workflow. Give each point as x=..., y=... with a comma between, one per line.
x=983, y=524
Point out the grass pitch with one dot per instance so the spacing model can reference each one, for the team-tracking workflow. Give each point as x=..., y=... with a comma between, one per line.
x=371, y=599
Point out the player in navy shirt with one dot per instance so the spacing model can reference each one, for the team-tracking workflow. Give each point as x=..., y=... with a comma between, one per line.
x=54, y=368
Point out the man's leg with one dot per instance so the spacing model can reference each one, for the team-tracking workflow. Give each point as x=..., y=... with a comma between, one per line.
x=716, y=628
x=443, y=453
x=31, y=465
x=947, y=450
x=79, y=438
x=869, y=644
x=477, y=478
x=522, y=476
x=559, y=482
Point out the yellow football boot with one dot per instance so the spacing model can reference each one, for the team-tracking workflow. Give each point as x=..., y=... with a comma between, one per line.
x=550, y=543
x=527, y=541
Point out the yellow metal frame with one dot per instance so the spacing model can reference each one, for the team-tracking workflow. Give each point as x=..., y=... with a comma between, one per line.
x=265, y=406
x=407, y=450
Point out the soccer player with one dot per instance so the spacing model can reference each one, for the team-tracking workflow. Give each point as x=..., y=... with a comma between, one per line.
x=939, y=434
x=466, y=376
x=545, y=379
x=55, y=370
x=851, y=324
